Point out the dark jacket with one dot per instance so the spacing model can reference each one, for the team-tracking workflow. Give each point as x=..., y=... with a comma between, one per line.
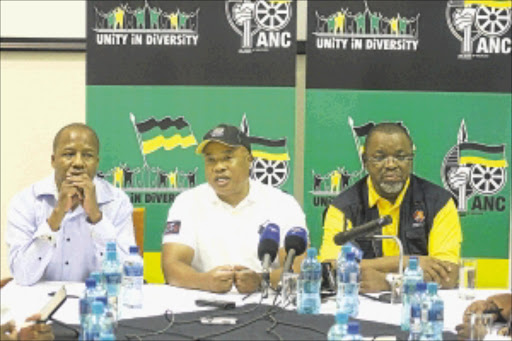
x=421, y=203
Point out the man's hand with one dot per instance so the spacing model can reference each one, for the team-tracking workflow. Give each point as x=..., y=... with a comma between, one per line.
x=36, y=331
x=246, y=280
x=8, y=331
x=220, y=279
x=477, y=307
x=87, y=191
x=68, y=197
x=435, y=270
x=373, y=280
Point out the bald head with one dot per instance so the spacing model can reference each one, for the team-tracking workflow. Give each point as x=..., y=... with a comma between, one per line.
x=387, y=128
x=75, y=126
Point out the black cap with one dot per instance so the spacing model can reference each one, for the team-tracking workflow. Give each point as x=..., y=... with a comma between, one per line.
x=226, y=134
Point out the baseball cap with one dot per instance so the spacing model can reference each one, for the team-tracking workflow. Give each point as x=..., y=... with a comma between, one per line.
x=225, y=134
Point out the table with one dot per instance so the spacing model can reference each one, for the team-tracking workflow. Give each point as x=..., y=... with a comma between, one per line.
x=23, y=301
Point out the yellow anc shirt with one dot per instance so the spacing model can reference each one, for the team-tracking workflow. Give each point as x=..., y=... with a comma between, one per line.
x=443, y=243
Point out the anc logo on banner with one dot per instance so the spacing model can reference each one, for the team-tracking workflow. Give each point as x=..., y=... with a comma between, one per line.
x=475, y=169
x=485, y=22
x=366, y=30
x=265, y=19
x=123, y=25
x=144, y=183
x=271, y=158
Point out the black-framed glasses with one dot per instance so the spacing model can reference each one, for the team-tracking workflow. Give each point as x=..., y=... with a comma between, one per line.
x=381, y=159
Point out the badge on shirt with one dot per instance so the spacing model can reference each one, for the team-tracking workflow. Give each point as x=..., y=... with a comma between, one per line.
x=418, y=218
x=173, y=227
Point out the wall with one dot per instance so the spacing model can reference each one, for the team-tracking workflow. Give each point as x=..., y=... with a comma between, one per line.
x=40, y=92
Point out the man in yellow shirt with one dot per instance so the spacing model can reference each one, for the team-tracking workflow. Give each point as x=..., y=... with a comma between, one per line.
x=424, y=215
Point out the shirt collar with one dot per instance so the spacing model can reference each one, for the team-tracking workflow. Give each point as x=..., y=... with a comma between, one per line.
x=47, y=187
x=374, y=197
x=250, y=198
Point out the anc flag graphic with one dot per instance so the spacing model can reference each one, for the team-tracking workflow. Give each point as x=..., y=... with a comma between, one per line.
x=481, y=154
x=266, y=148
x=177, y=133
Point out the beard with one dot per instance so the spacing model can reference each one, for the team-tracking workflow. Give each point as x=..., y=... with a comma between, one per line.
x=392, y=187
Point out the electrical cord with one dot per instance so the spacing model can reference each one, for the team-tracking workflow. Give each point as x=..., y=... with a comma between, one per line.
x=158, y=332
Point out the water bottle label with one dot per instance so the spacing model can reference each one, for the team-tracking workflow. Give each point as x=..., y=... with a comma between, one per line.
x=133, y=270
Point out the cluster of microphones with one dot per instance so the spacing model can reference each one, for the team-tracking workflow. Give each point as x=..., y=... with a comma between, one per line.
x=296, y=242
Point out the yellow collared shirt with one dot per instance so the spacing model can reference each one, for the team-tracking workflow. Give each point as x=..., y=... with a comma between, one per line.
x=444, y=239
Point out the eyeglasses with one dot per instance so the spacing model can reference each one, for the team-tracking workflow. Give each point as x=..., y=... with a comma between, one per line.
x=381, y=159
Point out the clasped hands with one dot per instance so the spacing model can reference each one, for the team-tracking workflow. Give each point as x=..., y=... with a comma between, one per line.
x=76, y=189
x=222, y=278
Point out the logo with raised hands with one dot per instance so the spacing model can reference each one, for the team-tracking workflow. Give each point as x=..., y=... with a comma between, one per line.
x=261, y=24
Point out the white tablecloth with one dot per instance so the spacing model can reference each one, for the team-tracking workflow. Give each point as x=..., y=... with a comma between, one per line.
x=18, y=302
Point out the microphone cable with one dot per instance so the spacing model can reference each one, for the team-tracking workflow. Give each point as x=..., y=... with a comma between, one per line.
x=158, y=332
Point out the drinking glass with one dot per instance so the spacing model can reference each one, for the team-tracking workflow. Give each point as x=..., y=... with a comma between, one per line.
x=467, y=278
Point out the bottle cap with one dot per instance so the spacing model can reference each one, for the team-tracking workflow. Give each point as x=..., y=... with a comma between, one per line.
x=96, y=275
x=353, y=328
x=111, y=246
x=346, y=248
x=111, y=255
x=432, y=288
x=97, y=307
x=134, y=249
x=413, y=263
x=312, y=252
x=90, y=283
x=102, y=299
x=351, y=256
x=421, y=287
x=341, y=318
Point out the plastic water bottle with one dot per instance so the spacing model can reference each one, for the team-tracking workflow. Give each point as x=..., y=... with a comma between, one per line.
x=108, y=312
x=413, y=274
x=98, y=325
x=112, y=273
x=85, y=314
x=433, y=327
x=417, y=309
x=346, y=248
x=133, y=279
x=353, y=333
x=311, y=277
x=339, y=329
x=347, y=300
x=101, y=289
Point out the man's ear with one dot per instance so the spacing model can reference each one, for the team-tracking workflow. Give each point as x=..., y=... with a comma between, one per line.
x=363, y=156
x=53, y=160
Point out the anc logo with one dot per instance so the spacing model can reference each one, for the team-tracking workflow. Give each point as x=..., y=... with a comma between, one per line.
x=486, y=22
x=349, y=30
x=146, y=25
x=471, y=169
x=263, y=20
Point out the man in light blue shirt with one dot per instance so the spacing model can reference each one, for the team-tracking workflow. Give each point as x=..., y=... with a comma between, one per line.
x=57, y=228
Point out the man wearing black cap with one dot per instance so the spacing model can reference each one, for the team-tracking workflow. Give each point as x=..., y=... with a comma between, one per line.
x=212, y=233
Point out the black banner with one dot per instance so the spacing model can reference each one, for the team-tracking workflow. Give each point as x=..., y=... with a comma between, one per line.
x=231, y=42
x=449, y=45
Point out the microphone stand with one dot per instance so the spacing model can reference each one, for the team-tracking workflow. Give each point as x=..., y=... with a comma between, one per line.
x=265, y=283
x=397, y=279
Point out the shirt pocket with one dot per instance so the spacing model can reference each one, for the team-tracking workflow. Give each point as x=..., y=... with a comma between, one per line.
x=417, y=241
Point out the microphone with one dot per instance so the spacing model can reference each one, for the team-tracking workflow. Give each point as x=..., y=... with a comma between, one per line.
x=295, y=244
x=362, y=230
x=268, y=246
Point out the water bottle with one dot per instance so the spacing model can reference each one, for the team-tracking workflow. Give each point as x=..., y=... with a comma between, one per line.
x=347, y=300
x=133, y=279
x=112, y=273
x=311, y=277
x=98, y=325
x=435, y=323
x=353, y=333
x=346, y=248
x=339, y=329
x=108, y=312
x=85, y=314
x=413, y=274
x=417, y=309
x=427, y=333
x=101, y=289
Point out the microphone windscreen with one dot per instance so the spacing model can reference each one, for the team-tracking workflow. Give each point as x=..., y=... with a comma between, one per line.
x=269, y=242
x=296, y=238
